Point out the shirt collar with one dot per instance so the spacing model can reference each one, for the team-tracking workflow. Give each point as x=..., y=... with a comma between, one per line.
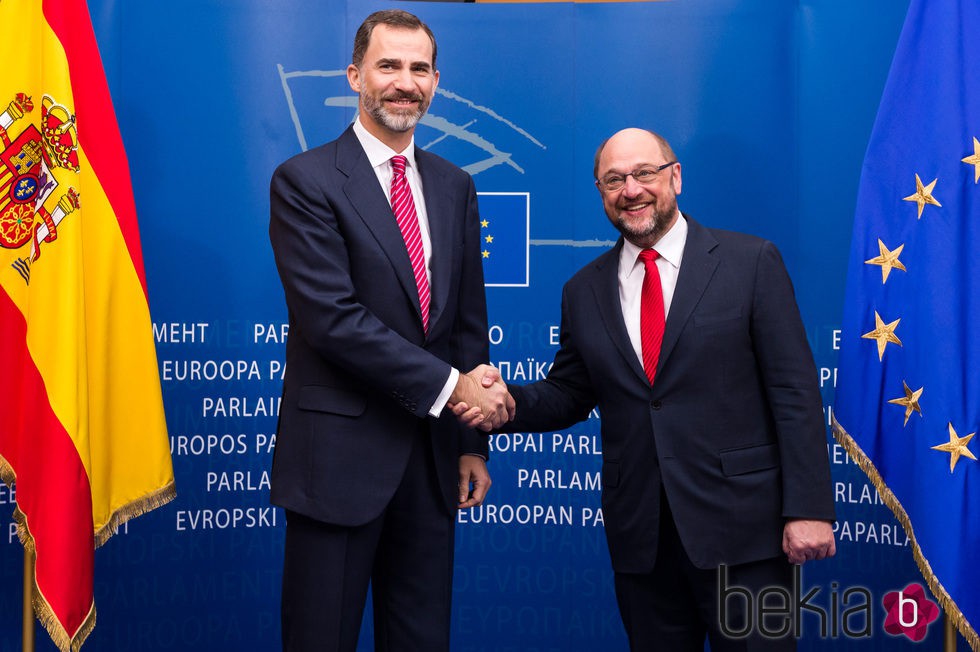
x=377, y=152
x=670, y=247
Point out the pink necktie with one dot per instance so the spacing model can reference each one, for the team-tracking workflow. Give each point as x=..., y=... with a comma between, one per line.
x=408, y=222
x=651, y=314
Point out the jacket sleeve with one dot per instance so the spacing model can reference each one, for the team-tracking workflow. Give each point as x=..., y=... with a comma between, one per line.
x=470, y=343
x=790, y=379
x=566, y=396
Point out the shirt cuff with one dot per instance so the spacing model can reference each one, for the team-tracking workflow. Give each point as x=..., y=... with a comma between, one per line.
x=447, y=391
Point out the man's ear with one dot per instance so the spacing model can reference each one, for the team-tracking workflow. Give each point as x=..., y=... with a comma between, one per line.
x=354, y=78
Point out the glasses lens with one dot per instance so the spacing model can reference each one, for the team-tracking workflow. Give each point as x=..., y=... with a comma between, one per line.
x=612, y=182
x=644, y=175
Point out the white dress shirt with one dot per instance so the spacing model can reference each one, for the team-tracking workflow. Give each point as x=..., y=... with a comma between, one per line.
x=670, y=250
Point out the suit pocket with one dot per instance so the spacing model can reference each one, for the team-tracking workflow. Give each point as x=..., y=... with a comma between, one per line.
x=318, y=398
x=748, y=460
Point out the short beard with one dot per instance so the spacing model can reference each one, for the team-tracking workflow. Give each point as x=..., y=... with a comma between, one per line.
x=397, y=122
x=650, y=234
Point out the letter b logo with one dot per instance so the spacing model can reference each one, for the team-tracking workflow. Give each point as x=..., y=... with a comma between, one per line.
x=910, y=612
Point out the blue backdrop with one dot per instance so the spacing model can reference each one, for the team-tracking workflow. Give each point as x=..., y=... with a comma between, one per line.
x=769, y=106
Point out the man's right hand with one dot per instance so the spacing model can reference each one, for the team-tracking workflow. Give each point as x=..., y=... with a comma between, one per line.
x=481, y=399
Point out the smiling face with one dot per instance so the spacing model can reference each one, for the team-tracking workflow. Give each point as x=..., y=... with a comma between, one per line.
x=642, y=213
x=395, y=80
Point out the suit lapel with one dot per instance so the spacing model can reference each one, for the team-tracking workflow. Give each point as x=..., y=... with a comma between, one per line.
x=697, y=268
x=368, y=199
x=605, y=287
x=439, y=200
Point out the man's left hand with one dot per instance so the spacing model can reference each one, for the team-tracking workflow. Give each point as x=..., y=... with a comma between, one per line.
x=474, y=481
x=804, y=540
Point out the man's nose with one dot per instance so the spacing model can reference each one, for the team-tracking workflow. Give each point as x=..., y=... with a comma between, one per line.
x=403, y=80
x=630, y=186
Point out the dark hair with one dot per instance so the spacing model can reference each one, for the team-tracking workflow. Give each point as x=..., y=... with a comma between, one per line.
x=395, y=18
x=664, y=147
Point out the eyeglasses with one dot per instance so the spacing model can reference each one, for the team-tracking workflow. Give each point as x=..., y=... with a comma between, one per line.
x=643, y=176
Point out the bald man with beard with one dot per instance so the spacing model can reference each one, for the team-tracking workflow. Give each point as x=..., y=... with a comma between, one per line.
x=714, y=468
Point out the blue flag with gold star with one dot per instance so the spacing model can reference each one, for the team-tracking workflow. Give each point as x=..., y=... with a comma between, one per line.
x=908, y=392
x=504, y=240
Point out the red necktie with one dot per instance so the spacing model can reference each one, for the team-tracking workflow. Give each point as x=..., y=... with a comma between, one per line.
x=651, y=313
x=408, y=222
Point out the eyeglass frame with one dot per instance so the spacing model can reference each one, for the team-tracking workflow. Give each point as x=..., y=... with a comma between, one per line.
x=656, y=170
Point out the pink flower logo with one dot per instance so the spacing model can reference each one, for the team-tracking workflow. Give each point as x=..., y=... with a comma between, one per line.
x=910, y=612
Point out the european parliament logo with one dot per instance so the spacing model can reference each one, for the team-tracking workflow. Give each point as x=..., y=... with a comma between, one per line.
x=505, y=238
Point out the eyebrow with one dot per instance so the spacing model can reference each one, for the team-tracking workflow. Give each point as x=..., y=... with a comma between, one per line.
x=638, y=166
x=398, y=62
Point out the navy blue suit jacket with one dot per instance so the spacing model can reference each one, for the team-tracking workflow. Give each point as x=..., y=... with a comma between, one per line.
x=361, y=373
x=733, y=426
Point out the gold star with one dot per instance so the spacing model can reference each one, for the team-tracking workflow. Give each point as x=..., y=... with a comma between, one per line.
x=974, y=160
x=887, y=260
x=484, y=224
x=883, y=333
x=910, y=402
x=486, y=254
x=956, y=447
x=489, y=238
x=923, y=195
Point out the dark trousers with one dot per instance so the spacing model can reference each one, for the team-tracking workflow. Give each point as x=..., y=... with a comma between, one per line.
x=675, y=606
x=406, y=555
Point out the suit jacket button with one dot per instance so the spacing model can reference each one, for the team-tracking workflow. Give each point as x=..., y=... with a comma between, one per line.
x=656, y=405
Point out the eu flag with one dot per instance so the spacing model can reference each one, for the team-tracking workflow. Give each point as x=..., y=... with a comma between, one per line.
x=908, y=394
x=504, y=233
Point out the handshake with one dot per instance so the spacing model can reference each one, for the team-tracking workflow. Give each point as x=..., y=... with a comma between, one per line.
x=481, y=399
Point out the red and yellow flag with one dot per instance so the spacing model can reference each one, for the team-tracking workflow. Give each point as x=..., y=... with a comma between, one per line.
x=82, y=427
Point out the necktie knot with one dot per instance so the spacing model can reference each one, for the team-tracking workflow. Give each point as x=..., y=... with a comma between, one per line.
x=398, y=165
x=648, y=256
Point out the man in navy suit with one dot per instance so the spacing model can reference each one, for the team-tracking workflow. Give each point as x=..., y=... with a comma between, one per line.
x=377, y=246
x=720, y=460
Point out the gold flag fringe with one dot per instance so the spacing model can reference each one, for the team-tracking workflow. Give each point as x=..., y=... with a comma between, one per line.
x=136, y=508
x=42, y=609
x=946, y=602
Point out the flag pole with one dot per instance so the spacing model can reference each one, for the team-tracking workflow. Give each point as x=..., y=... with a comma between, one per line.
x=28, y=624
x=949, y=641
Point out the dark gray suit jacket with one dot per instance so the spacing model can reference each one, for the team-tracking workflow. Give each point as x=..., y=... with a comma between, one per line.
x=733, y=427
x=361, y=373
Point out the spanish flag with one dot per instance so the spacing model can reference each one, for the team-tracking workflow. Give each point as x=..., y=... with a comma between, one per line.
x=82, y=427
